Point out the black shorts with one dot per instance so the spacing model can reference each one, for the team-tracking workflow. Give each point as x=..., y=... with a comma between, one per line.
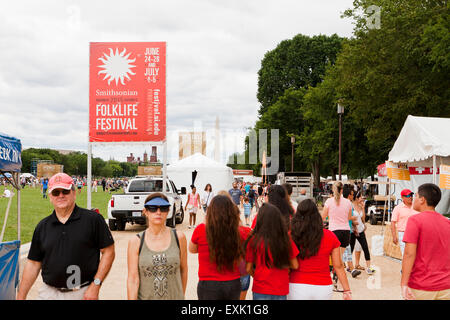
x=343, y=237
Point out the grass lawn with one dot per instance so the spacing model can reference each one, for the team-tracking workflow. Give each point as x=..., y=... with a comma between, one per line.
x=34, y=208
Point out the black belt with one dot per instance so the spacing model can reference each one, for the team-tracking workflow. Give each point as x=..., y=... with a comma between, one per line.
x=74, y=288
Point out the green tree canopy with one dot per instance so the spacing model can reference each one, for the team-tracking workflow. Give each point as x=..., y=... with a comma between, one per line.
x=295, y=63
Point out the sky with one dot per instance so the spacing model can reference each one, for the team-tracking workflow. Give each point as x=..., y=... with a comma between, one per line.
x=214, y=52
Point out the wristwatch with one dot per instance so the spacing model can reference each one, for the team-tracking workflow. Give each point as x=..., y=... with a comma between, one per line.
x=97, y=281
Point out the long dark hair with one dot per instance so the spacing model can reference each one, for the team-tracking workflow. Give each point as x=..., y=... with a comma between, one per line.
x=278, y=197
x=272, y=232
x=307, y=229
x=222, y=233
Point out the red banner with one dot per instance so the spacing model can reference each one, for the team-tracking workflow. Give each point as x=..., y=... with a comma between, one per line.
x=127, y=91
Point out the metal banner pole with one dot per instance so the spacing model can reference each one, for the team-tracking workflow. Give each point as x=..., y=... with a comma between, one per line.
x=89, y=176
x=164, y=165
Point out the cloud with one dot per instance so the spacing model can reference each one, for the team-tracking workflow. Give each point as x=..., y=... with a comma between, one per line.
x=214, y=53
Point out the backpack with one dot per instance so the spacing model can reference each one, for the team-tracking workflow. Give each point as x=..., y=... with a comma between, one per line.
x=143, y=237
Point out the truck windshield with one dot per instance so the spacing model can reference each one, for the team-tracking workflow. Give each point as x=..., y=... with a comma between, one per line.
x=145, y=186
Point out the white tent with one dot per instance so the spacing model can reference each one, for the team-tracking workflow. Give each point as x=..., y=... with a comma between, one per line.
x=218, y=175
x=424, y=142
x=421, y=139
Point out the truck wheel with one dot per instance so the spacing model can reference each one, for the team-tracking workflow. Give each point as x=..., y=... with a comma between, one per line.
x=179, y=219
x=373, y=220
x=171, y=222
x=120, y=224
x=112, y=224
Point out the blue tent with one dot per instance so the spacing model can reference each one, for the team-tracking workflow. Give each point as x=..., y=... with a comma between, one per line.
x=10, y=166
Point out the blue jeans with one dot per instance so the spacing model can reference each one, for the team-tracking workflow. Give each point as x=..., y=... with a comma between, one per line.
x=260, y=296
x=245, y=282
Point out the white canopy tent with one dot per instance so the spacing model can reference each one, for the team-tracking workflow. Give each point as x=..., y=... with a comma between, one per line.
x=424, y=142
x=218, y=175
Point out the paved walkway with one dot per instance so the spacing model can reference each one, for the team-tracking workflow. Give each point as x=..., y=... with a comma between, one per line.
x=384, y=285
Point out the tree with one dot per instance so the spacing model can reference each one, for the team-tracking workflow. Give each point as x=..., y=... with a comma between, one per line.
x=399, y=69
x=296, y=63
x=284, y=115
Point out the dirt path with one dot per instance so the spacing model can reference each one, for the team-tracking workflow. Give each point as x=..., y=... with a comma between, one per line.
x=383, y=285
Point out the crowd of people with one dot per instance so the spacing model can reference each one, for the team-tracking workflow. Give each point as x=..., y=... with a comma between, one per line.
x=290, y=252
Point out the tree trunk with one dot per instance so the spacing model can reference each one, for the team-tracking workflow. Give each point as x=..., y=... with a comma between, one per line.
x=315, y=165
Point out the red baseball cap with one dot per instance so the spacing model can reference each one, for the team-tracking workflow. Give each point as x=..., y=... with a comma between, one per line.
x=406, y=192
x=60, y=181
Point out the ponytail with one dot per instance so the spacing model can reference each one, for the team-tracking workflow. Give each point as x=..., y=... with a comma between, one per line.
x=337, y=188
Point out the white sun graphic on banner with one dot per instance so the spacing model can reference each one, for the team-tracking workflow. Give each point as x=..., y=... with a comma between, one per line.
x=116, y=66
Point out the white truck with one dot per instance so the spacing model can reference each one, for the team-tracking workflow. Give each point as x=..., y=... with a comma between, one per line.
x=127, y=207
x=299, y=181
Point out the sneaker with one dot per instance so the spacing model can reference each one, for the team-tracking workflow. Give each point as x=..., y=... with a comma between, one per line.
x=348, y=270
x=370, y=271
x=355, y=273
x=189, y=227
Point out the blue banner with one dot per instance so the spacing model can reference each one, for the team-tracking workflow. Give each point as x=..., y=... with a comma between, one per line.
x=9, y=269
x=10, y=153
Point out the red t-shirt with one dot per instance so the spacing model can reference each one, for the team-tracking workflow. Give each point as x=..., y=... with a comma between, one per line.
x=431, y=232
x=315, y=270
x=254, y=222
x=208, y=270
x=271, y=281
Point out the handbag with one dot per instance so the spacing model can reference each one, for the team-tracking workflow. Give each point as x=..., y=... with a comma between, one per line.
x=205, y=206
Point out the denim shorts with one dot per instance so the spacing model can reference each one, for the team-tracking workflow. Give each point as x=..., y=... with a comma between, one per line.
x=260, y=296
x=245, y=282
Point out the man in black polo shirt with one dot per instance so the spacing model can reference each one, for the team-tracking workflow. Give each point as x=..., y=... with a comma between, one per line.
x=66, y=245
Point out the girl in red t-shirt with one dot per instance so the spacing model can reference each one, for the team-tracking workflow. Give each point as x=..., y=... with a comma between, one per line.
x=270, y=252
x=312, y=280
x=219, y=244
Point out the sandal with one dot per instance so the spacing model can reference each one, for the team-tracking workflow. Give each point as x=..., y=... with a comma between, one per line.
x=358, y=267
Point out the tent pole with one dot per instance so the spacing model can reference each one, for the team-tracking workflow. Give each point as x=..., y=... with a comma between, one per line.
x=434, y=169
x=18, y=214
x=89, y=176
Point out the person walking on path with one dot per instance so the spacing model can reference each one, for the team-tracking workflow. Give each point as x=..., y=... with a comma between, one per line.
x=426, y=261
x=157, y=257
x=219, y=245
x=312, y=280
x=400, y=216
x=247, y=211
x=67, y=245
x=277, y=196
x=339, y=211
x=359, y=235
x=288, y=188
x=192, y=206
x=348, y=193
x=207, y=196
x=236, y=194
x=251, y=196
x=270, y=252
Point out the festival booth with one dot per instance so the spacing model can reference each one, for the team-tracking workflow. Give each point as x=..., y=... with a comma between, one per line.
x=423, y=145
x=10, y=166
x=421, y=154
x=208, y=171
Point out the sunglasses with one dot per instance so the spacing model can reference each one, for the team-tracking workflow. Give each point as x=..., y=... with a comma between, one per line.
x=56, y=192
x=153, y=209
x=409, y=195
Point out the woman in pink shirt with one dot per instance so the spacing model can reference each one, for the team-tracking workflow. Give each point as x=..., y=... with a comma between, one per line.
x=339, y=211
